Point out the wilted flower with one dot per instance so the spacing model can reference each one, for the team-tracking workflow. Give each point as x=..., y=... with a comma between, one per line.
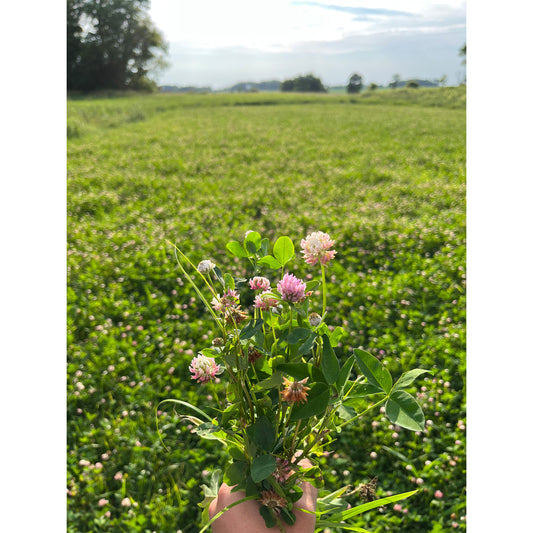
x=367, y=491
x=291, y=288
x=203, y=368
x=235, y=314
x=253, y=354
x=295, y=391
x=315, y=319
x=273, y=500
x=283, y=470
x=205, y=266
x=259, y=283
x=315, y=248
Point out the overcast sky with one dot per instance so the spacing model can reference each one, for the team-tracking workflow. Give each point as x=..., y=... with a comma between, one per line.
x=219, y=43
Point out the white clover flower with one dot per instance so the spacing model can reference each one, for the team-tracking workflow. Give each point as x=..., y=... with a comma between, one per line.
x=206, y=266
x=315, y=319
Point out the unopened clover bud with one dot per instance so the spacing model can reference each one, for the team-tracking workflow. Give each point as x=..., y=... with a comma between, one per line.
x=205, y=266
x=315, y=319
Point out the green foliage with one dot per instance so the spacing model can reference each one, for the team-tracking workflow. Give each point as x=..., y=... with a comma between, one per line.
x=355, y=85
x=303, y=84
x=386, y=179
x=111, y=44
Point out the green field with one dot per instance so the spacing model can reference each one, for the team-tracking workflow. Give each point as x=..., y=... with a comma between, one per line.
x=383, y=173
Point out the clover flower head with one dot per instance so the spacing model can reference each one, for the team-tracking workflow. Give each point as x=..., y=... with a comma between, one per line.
x=229, y=299
x=283, y=470
x=295, y=391
x=291, y=288
x=204, y=369
x=253, y=354
x=315, y=319
x=259, y=283
x=265, y=301
x=272, y=500
x=235, y=315
x=315, y=248
x=205, y=266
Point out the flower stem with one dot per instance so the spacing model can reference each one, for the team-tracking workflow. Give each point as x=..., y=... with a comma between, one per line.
x=364, y=412
x=324, y=290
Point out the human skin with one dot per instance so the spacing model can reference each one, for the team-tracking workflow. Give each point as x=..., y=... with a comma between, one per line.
x=245, y=517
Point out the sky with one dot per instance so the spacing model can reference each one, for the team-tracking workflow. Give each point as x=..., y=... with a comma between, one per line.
x=219, y=43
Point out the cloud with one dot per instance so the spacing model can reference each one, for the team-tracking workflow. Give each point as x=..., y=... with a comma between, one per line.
x=362, y=13
x=377, y=57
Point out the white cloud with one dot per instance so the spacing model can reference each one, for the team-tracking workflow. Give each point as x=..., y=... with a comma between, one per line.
x=220, y=43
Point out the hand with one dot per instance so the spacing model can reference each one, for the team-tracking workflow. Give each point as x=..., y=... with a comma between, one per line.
x=245, y=517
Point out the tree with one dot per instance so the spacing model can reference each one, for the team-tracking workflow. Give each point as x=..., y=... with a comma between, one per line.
x=355, y=84
x=462, y=53
x=111, y=44
x=395, y=81
x=303, y=84
x=373, y=86
x=412, y=84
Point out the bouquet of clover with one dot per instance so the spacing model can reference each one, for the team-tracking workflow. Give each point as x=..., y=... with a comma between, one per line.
x=281, y=392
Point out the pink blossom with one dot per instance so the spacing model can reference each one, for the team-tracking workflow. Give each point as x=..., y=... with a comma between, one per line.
x=265, y=301
x=118, y=476
x=126, y=502
x=203, y=368
x=102, y=502
x=397, y=507
x=315, y=248
x=229, y=299
x=259, y=283
x=438, y=494
x=291, y=288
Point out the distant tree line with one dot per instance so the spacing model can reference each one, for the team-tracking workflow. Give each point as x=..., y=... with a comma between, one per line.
x=111, y=44
x=303, y=84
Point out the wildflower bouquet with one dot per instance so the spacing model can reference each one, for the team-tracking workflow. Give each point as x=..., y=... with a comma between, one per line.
x=281, y=393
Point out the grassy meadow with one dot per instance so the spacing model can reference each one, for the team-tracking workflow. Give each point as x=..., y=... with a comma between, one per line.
x=383, y=173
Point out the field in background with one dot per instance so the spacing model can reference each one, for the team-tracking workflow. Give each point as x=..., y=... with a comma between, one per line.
x=383, y=173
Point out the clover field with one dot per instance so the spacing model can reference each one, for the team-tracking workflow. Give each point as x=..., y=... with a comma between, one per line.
x=383, y=174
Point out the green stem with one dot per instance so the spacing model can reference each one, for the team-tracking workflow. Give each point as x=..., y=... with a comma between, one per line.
x=280, y=525
x=296, y=430
x=324, y=290
x=195, y=287
x=290, y=319
x=364, y=412
x=218, y=515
